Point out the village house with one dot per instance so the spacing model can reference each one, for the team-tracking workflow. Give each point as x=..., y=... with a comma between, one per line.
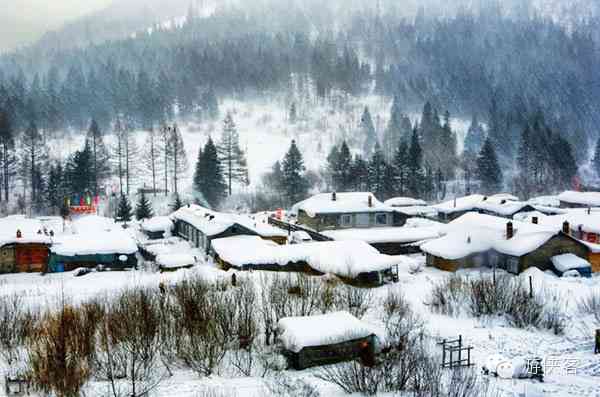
x=508, y=209
x=571, y=199
x=457, y=207
x=412, y=207
x=326, y=339
x=200, y=226
x=24, y=245
x=475, y=240
x=354, y=262
x=330, y=211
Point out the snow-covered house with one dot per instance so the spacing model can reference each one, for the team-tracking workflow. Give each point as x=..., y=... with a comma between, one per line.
x=157, y=228
x=24, y=245
x=173, y=262
x=95, y=241
x=482, y=240
x=393, y=240
x=355, y=262
x=449, y=210
x=508, y=209
x=329, y=211
x=200, y=226
x=572, y=199
x=326, y=339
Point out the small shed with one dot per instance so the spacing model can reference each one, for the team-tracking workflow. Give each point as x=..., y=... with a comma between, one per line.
x=174, y=262
x=157, y=228
x=326, y=339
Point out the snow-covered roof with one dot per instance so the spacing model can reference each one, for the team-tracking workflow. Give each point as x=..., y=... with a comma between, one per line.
x=473, y=233
x=90, y=224
x=116, y=241
x=157, y=224
x=344, y=203
x=509, y=208
x=504, y=196
x=591, y=199
x=386, y=234
x=175, y=260
x=419, y=210
x=459, y=204
x=547, y=201
x=578, y=219
x=29, y=231
x=296, y=333
x=404, y=202
x=566, y=262
x=343, y=258
x=212, y=223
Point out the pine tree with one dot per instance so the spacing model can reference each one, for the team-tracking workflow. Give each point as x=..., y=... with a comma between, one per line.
x=232, y=156
x=367, y=130
x=525, y=156
x=401, y=167
x=124, y=210
x=416, y=176
x=79, y=171
x=209, y=175
x=8, y=159
x=394, y=131
x=198, y=172
x=143, y=208
x=294, y=180
x=475, y=136
x=177, y=203
x=33, y=156
x=360, y=174
x=293, y=117
x=377, y=173
x=596, y=160
x=488, y=169
x=345, y=167
x=333, y=167
x=100, y=168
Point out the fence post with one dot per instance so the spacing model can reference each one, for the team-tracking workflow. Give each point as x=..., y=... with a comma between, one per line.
x=531, y=287
x=459, y=350
x=444, y=353
x=597, y=348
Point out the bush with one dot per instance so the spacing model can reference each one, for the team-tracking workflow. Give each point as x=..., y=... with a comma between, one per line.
x=590, y=305
x=448, y=297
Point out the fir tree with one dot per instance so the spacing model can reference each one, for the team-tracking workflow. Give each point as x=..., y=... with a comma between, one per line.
x=294, y=180
x=360, y=174
x=232, y=156
x=475, y=136
x=415, y=166
x=367, y=129
x=124, y=210
x=8, y=159
x=210, y=178
x=177, y=203
x=143, y=208
x=33, y=156
x=395, y=130
x=198, y=175
x=345, y=167
x=79, y=171
x=596, y=160
x=488, y=169
x=333, y=167
x=293, y=114
x=377, y=173
x=401, y=167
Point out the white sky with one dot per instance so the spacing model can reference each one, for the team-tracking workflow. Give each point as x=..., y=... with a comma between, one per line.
x=54, y=11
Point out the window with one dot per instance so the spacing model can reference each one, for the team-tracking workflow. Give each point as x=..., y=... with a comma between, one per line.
x=381, y=219
x=362, y=220
x=512, y=265
x=346, y=220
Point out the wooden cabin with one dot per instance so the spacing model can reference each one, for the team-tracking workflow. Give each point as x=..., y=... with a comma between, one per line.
x=476, y=240
x=346, y=210
x=326, y=339
x=157, y=228
x=200, y=226
x=24, y=245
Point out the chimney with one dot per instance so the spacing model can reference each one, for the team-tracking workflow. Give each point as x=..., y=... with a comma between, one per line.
x=485, y=198
x=469, y=240
x=566, y=228
x=535, y=220
x=503, y=202
x=333, y=196
x=510, y=231
x=19, y=234
x=370, y=201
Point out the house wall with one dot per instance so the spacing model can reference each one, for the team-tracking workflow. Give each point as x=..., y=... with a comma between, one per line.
x=31, y=257
x=564, y=204
x=312, y=356
x=7, y=259
x=561, y=244
x=336, y=221
x=594, y=259
x=454, y=265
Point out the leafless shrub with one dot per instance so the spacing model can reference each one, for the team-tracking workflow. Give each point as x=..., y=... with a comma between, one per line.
x=590, y=305
x=395, y=305
x=448, y=297
x=16, y=323
x=553, y=316
x=129, y=350
x=354, y=300
x=59, y=352
x=286, y=386
x=489, y=296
